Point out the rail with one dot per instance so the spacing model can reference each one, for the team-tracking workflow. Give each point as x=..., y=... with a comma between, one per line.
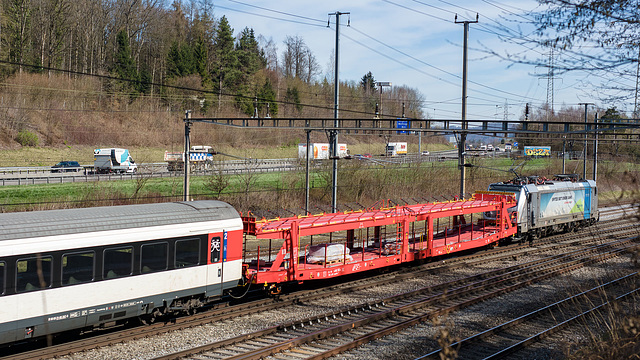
x=306, y=296
x=365, y=322
x=556, y=310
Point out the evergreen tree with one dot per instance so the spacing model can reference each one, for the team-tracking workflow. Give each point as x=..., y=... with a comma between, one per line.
x=144, y=86
x=267, y=95
x=124, y=67
x=250, y=57
x=200, y=58
x=612, y=113
x=368, y=83
x=226, y=73
x=245, y=103
x=250, y=61
x=293, y=96
x=180, y=60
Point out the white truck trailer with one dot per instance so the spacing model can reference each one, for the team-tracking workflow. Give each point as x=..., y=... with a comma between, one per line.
x=319, y=151
x=113, y=160
x=200, y=158
x=396, y=148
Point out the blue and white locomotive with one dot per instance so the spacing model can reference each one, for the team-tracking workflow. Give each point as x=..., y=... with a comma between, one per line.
x=553, y=206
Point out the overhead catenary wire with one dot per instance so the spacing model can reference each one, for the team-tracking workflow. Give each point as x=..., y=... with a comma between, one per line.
x=519, y=96
x=304, y=20
x=212, y=92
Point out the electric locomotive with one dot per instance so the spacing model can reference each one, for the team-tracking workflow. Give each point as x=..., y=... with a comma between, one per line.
x=545, y=207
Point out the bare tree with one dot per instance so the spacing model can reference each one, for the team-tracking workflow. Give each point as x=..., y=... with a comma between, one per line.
x=599, y=37
x=218, y=181
x=248, y=176
x=313, y=68
x=49, y=37
x=16, y=30
x=270, y=52
x=298, y=60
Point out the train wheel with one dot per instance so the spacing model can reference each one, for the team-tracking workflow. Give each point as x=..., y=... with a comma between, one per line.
x=149, y=319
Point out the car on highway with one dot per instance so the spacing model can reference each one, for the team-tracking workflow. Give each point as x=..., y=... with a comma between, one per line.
x=425, y=153
x=362, y=156
x=66, y=166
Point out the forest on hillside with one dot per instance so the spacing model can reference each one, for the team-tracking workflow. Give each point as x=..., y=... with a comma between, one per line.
x=81, y=64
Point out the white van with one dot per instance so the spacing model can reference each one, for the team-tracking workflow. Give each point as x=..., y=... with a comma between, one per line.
x=113, y=160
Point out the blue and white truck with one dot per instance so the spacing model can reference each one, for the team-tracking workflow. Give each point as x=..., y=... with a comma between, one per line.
x=113, y=160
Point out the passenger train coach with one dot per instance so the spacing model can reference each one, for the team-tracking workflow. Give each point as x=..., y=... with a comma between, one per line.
x=80, y=269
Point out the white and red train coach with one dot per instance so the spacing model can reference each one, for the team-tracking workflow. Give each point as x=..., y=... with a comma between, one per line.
x=81, y=268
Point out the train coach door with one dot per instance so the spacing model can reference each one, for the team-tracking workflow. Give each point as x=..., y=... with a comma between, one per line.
x=215, y=268
x=587, y=203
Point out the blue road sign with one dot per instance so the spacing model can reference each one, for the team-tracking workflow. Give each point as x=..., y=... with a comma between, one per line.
x=402, y=124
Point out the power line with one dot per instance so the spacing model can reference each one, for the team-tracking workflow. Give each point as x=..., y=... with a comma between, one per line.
x=276, y=11
x=431, y=66
x=389, y=57
x=395, y=60
x=269, y=17
x=109, y=77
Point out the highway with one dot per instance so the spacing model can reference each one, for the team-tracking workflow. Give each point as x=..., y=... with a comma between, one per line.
x=42, y=174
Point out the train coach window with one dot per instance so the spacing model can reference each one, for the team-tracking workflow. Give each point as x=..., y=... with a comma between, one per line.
x=153, y=257
x=2, y=278
x=216, y=245
x=187, y=253
x=118, y=262
x=77, y=268
x=33, y=273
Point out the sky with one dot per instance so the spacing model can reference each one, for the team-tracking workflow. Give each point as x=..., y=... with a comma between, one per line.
x=416, y=43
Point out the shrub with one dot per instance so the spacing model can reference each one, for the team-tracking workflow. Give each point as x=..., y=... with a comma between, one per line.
x=27, y=138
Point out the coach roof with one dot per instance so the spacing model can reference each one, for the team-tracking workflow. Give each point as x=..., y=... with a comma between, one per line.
x=74, y=221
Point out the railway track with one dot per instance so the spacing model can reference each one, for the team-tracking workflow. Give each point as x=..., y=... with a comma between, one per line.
x=514, y=335
x=222, y=312
x=332, y=333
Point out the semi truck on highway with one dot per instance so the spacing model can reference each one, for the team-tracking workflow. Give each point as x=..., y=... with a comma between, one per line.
x=113, y=160
x=319, y=151
x=396, y=148
x=200, y=158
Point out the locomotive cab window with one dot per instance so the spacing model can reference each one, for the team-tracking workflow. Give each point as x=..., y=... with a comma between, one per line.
x=2, y=278
x=33, y=273
x=187, y=253
x=153, y=257
x=77, y=268
x=216, y=246
x=118, y=262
